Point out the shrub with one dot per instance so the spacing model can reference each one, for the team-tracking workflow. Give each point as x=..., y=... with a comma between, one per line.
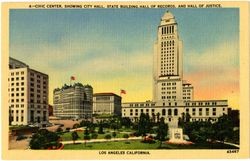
x=125, y=136
x=94, y=135
x=75, y=126
x=107, y=137
x=21, y=137
x=43, y=139
x=59, y=129
x=114, y=134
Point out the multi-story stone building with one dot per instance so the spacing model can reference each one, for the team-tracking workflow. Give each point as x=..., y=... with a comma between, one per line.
x=106, y=103
x=172, y=96
x=73, y=101
x=28, y=95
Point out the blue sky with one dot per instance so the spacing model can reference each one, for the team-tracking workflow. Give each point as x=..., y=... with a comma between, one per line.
x=113, y=48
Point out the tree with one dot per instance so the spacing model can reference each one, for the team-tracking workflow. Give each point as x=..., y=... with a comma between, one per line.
x=59, y=129
x=107, y=137
x=162, y=131
x=114, y=134
x=144, y=125
x=126, y=136
x=185, y=118
x=224, y=127
x=100, y=130
x=125, y=121
x=86, y=136
x=75, y=126
x=158, y=117
x=153, y=117
x=94, y=136
x=74, y=136
x=44, y=139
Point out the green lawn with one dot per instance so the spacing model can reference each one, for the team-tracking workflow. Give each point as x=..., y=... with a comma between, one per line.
x=67, y=136
x=112, y=145
x=138, y=145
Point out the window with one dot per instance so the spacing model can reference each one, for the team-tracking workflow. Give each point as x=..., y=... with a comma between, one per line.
x=200, y=111
x=175, y=112
x=207, y=111
x=187, y=110
x=214, y=111
x=193, y=111
x=22, y=78
x=17, y=78
x=44, y=115
x=163, y=112
x=169, y=112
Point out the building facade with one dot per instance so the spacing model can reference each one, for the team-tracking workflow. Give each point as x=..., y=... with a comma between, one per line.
x=73, y=101
x=172, y=96
x=106, y=103
x=28, y=95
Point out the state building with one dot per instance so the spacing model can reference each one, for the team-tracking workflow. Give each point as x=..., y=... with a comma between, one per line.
x=28, y=91
x=172, y=95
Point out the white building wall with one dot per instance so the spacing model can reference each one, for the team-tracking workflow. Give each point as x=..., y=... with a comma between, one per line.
x=19, y=96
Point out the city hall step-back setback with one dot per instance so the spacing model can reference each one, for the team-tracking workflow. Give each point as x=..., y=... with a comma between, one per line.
x=172, y=96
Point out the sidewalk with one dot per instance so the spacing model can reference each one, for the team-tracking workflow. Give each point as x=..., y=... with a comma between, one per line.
x=236, y=145
x=102, y=140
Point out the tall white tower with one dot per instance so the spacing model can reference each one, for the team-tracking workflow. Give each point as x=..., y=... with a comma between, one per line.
x=167, y=72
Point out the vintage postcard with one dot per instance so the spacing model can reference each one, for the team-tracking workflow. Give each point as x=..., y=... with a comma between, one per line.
x=125, y=80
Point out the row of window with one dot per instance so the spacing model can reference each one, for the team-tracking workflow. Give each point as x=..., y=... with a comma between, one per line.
x=167, y=30
x=201, y=103
x=168, y=84
x=169, y=92
x=141, y=105
x=17, y=73
x=200, y=111
x=168, y=97
x=168, y=42
x=17, y=84
x=17, y=105
x=168, y=88
x=17, y=79
x=17, y=89
x=17, y=100
x=17, y=94
x=175, y=111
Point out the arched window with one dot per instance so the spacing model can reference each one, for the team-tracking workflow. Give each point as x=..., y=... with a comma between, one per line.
x=175, y=112
x=169, y=112
x=163, y=112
